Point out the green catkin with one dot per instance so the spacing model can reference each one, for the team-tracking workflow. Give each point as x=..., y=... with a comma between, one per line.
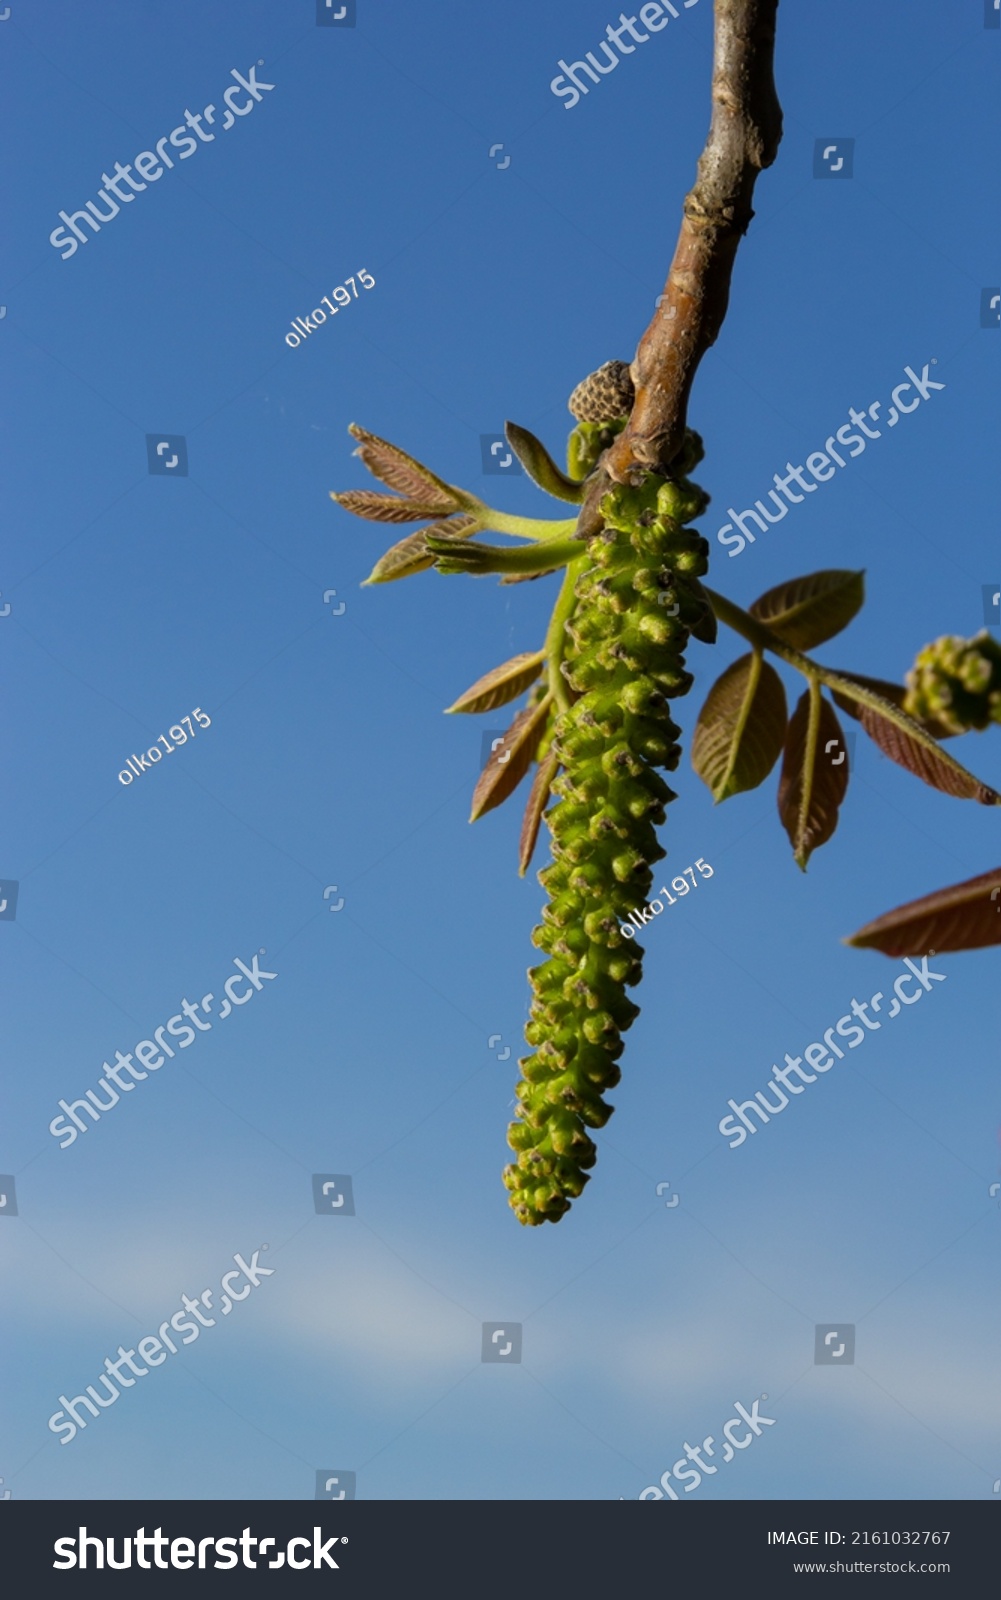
x=957, y=682
x=636, y=602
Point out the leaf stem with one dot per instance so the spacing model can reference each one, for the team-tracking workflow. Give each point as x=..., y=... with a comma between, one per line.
x=809, y=769
x=757, y=633
x=539, y=528
x=546, y=555
x=763, y=638
x=556, y=633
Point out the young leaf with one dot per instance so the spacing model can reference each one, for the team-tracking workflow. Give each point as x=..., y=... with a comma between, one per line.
x=410, y=555
x=805, y=611
x=813, y=781
x=393, y=466
x=966, y=916
x=909, y=744
x=504, y=683
x=739, y=734
x=540, y=466
x=481, y=559
x=537, y=802
x=896, y=694
x=511, y=760
x=384, y=507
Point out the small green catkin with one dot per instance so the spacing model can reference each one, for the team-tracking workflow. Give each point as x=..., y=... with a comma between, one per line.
x=957, y=682
x=635, y=605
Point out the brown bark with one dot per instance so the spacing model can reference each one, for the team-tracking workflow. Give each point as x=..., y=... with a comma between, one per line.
x=743, y=139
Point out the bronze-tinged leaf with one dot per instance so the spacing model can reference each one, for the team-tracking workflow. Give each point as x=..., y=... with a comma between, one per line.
x=739, y=734
x=910, y=745
x=511, y=760
x=504, y=683
x=384, y=507
x=393, y=466
x=966, y=916
x=540, y=466
x=805, y=611
x=814, y=779
x=410, y=555
x=896, y=694
x=537, y=802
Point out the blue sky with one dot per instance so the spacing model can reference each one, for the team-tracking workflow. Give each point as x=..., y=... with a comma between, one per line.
x=134, y=600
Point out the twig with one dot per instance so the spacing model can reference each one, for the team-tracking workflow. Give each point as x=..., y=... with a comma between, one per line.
x=743, y=140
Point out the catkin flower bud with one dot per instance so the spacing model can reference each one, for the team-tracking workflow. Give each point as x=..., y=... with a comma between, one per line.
x=624, y=662
x=957, y=682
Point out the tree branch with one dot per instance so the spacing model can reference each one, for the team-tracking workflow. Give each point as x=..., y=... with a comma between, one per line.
x=743, y=139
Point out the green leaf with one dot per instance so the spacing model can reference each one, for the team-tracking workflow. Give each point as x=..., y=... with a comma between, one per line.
x=511, y=759
x=909, y=744
x=966, y=916
x=504, y=683
x=814, y=780
x=481, y=559
x=540, y=466
x=393, y=466
x=410, y=555
x=739, y=734
x=805, y=611
x=537, y=802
